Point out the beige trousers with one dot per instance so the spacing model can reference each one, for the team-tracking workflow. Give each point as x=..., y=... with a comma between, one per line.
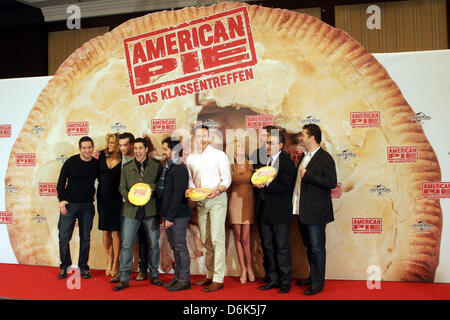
x=211, y=220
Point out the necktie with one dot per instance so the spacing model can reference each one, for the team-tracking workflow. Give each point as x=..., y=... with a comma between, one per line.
x=141, y=172
x=269, y=163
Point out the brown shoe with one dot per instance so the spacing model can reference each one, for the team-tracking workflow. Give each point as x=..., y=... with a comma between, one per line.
x=214, y=286
x=205, y=282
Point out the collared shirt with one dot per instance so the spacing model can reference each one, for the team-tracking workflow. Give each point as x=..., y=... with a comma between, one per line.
x=208, y=169
x=308, y=156
x=274, y=158
x=126, y=159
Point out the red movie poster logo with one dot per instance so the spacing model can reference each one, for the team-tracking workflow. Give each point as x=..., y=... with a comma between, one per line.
x=5, y=130
x=258, y=121
x=195, y=49
x=367, y=119
x=164, y=125
x=402, y=154
x=25, y=159
x=295, y=153
x=436, y=190
x=336, y=193
x=78, y=128
x=6, y=217
x=367, y=225
x=47, y=189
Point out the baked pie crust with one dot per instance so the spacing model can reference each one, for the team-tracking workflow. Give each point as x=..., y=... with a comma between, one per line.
x=305, y=67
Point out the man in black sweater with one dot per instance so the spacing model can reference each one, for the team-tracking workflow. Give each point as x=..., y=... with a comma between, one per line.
x=76, y=195
x=175, y=211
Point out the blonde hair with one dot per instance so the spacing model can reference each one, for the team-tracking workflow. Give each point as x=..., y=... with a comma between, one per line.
x=115, y=136
x=246, y=157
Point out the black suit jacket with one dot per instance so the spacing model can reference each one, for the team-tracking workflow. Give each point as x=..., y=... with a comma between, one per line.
x=174, y=204
x=278, y=195
x=315, y=194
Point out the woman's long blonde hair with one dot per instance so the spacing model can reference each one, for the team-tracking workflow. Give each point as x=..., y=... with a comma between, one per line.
x=246, y=157
x=115, y=136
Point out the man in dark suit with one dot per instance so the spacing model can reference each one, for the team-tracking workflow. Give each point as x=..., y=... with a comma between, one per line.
x=274, y=214
x=316, y=176
x=175, y=210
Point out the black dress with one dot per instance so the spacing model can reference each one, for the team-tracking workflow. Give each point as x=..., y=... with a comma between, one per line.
x=109, y=199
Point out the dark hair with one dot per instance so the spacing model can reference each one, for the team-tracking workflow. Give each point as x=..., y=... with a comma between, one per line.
x=143, y=141
x=314, y=130
x=172, y=143
x=276, y=132
x=127, y=135
x=201, y=127
x=84, y=139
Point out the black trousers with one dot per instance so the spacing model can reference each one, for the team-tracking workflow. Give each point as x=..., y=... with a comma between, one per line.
x=277, y=251
x=84, y=212
x=313, y=236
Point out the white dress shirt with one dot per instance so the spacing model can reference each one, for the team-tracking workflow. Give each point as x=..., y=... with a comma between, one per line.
x=208, y=169
x=298, y=182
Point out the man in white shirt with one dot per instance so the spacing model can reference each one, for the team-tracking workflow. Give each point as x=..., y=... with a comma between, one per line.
x=210, y=168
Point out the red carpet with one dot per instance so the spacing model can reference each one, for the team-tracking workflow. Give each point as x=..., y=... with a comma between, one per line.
x=35, y=282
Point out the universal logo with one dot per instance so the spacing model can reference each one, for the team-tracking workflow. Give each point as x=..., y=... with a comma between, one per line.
x=422, y=227
x=211, y=123
x=118, y=127
x=311, y=119
x=346, y=155
x=380, y=189
x=62, y=158
x=420, y=117
x=38, y=130
x=38, y=218
x=11, y=189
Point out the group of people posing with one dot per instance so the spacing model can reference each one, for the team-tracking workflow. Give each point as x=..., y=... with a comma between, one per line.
x=303, y=192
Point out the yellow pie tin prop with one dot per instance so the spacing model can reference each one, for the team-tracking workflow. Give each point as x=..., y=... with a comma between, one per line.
x=264, y=175
x=139, y=194
x=199, y=194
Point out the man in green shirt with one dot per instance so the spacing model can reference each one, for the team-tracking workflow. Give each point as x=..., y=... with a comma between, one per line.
x=146, y=170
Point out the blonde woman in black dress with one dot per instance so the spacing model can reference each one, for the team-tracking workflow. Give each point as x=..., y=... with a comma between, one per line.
x=109, y=202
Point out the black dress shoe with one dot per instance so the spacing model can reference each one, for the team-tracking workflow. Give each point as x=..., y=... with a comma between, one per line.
x=178, y=286
x=85, y=274
x=62, y=274
x=269, y=285
x=285, y=289
x=169, y=284
x=121, y=285
x=313, y=290
x=156, y=281
x=304, y=282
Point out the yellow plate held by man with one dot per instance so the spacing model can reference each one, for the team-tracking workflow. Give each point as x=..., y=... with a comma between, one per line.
x=264, y=175
x=139, y=194
x=199, y=194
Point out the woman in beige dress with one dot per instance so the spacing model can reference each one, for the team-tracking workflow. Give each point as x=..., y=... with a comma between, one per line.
x=241, y=209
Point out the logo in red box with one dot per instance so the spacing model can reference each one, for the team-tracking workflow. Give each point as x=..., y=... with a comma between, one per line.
x=436, y=190
x=77, y=128
x=164, y=125
x=402, y=154
x=366, y=119
x=5, y=130
x=26, y=159
x=258, y=121
x=367, y=225
x=206, y=46
x=296, y=153
x=6, y=217
x=47, y=189
x=336, y=193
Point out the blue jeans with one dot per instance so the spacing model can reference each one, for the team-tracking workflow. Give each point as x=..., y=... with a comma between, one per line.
x=313, y=236
x=85, y=212
x=177, y=240
x=129, y=232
